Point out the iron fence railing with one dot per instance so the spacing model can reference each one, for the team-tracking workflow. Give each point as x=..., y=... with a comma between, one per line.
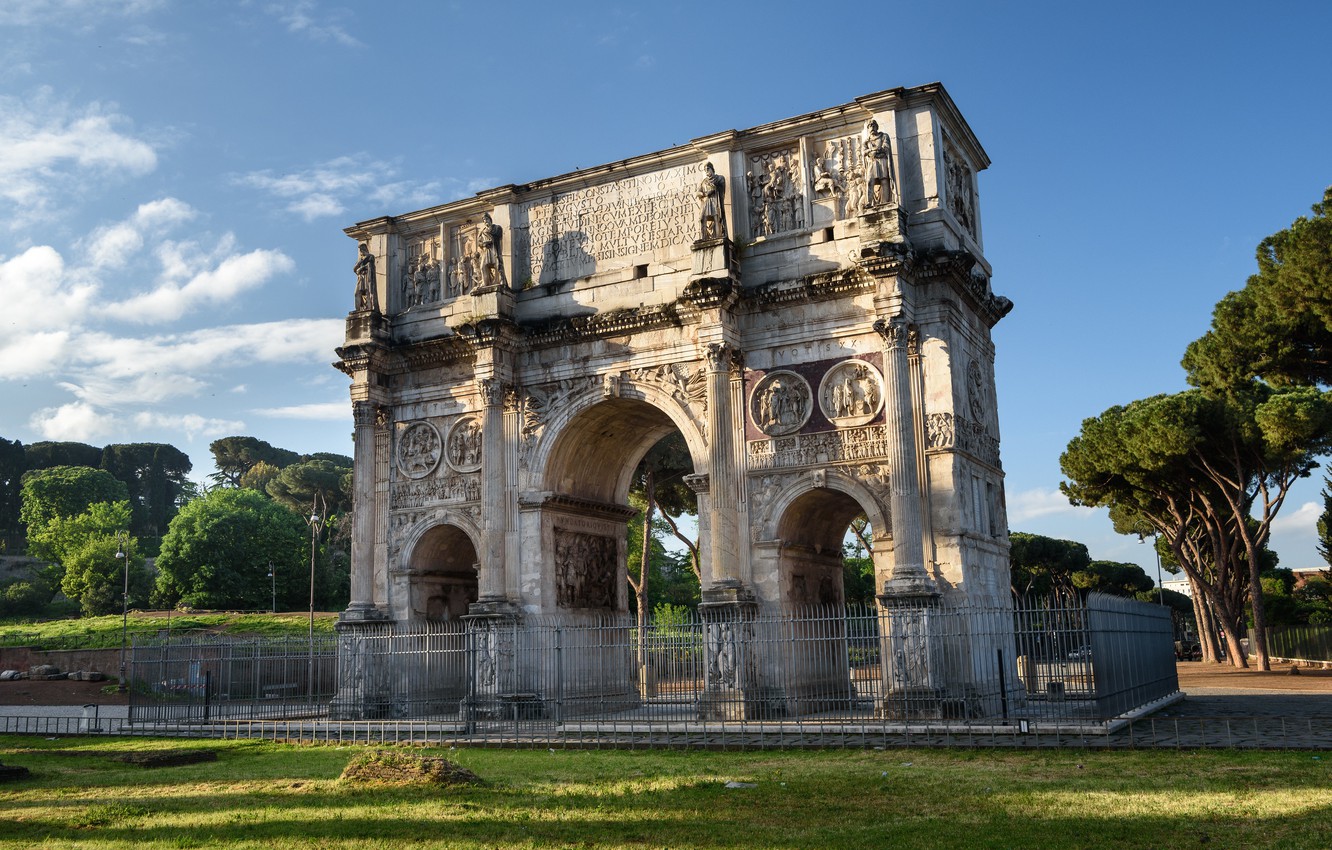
x=203, y=677
x=931, y=661
x=1303, y=644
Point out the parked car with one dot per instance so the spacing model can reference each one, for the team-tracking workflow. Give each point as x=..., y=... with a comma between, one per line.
x=1082, y=653
x=1185, y=651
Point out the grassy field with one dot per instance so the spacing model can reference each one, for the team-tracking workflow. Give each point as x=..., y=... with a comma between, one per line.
x=104, y=632
x=274, y=796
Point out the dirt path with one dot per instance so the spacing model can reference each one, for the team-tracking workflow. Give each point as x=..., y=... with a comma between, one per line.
x=1196, y=674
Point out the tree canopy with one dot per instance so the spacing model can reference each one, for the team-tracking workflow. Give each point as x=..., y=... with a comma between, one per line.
x=218, y=549
x=155, y=474
x=233, y=457
x=62, y=492
x=1044, y=565
x=1278, y=328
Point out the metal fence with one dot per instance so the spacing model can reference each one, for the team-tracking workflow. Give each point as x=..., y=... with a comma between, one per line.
x=197, y=678
x=1302, y=644
x=768, y=672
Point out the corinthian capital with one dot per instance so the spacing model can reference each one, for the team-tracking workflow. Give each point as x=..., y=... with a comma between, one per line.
x=724, y=357
x=893, y=331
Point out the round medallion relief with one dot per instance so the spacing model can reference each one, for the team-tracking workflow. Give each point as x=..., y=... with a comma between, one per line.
x=419, y=449
x=781, y=403
x=851, y=393
x=463, y=446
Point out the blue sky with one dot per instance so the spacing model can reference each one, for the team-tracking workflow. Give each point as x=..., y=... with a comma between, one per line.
x=175, y=177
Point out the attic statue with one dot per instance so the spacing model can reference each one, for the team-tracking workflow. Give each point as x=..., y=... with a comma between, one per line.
x=365, y=280
x=711, y=216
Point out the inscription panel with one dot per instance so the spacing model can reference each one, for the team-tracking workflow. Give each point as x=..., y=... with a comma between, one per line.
x=565, y=237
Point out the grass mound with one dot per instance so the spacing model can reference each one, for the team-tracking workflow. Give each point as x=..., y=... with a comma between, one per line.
x=395, y=767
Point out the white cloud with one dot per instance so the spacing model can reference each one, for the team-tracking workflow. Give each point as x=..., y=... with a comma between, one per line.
x=1303, y=521
x=62, y=12
x=328, y=411
x=112, y=246
x=48, y=147
x=191, y=424
x=1031, y=504
x=326, y=189
x=300, y=18
x=230, y=277
x=38, y=295
x=77, y=421
x=32, y=356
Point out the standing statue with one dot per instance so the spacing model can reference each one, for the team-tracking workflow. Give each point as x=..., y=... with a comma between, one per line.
x=365, y=280
x=878, y=166
x=712, y=215
x=490, y=270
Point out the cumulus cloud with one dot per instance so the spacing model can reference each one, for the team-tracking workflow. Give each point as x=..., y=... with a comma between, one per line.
x=48, y=147
x=1031, y=504
x=112, y=246
x=1302, y=521
x=77, y=421
x=38, y=295
x=327, y=411
x=326, y=189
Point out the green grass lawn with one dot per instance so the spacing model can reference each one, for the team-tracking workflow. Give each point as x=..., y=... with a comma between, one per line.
x=275, y=796
x=104, y=632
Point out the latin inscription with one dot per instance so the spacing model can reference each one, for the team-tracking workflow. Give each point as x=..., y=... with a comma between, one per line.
x=568, y=235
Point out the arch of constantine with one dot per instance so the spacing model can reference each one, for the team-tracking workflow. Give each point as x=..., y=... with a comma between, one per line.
x=806, y=302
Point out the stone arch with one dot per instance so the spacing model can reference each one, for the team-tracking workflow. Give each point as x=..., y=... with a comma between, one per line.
x=440, y=559
x=624, y=425
x=807, y=521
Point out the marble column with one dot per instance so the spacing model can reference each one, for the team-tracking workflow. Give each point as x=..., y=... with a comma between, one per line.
x=909, y=576
x=723, y=485
x=365, y=518
x=494, y=495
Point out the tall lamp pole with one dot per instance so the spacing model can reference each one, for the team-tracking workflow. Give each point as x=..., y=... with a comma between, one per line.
x=122, y=537
x=318, y=515
x=272, y=581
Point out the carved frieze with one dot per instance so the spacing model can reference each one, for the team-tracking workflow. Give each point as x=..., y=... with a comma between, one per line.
x=976, y=391
x=944, y=431
x=781, y=403
x=851, y=393
x=538, y=402
x=419, y=450
x=838, y=174
x=796, y=450
x=763, y=492
x=448, y=487
x=420, y=273
x=960, y=186
x=586, y=569
x=775, y=185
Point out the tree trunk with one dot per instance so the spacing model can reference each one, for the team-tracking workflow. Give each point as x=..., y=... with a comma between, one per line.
x=1259, y=609
x=645, y=683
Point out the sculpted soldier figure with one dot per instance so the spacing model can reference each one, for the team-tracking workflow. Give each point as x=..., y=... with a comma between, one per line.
x=365, y=279
x=878, y=166
x=489, y=269
x=711, y=216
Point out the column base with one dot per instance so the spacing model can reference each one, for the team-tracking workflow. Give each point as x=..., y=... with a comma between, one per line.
x=362, y=692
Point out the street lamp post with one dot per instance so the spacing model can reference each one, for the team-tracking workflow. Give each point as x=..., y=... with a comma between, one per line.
x=272, y=581
x=122, y=538
x=316, y=522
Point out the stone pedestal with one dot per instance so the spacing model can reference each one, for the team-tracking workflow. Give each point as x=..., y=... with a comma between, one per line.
x=733, y=688
x=880, y=225
x=714, y=258
x=364, y=691
x=911, y=649
x=494, y=691
x=494, y=301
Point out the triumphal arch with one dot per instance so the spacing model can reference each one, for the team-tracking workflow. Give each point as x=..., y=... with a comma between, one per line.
x=806, y=302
